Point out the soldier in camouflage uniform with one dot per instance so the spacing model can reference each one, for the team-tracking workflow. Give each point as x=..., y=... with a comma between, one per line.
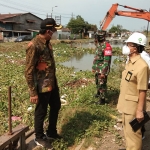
x=101, y=65
x=40, y=75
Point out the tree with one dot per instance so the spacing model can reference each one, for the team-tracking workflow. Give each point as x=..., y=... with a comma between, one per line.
x=113, y=29
x=78, y=25
x=116, y=29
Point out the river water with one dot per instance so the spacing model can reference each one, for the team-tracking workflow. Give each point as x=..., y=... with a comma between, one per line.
x=84, y=61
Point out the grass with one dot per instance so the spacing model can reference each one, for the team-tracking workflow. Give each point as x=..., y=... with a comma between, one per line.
x=80, y=118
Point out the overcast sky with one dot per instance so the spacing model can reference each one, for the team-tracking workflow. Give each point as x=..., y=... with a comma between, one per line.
x=92, y=11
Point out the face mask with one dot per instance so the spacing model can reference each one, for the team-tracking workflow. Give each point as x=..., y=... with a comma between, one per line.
x=125, y=50
x=54, y=36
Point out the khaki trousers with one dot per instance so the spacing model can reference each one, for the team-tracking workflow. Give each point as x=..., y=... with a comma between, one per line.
x=133, y=139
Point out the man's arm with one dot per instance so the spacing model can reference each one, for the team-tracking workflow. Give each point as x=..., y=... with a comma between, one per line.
x=140, y=106
x=142, y=76
x=107, y=59
x=106, y=65
x=31, y=59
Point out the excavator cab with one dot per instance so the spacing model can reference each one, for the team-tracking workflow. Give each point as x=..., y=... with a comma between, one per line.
x=100, y=35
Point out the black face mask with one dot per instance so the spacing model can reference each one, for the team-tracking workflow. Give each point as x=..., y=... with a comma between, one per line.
x=100, y=37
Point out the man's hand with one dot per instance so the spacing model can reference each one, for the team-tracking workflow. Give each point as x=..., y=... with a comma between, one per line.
x=34, y=99
x=139, y=115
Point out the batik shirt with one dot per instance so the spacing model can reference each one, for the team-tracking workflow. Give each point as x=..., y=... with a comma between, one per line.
x=40, y=66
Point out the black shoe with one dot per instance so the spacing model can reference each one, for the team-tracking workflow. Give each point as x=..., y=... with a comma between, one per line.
x=101, y=102
x=43, y=142
x=53, y=136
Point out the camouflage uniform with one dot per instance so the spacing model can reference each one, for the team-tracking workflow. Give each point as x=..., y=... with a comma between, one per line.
x=101, y=65
x=41, y=80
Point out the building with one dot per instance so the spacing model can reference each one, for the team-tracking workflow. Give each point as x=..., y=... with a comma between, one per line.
x=90, y=34
x=64, y=33
x=13, y=25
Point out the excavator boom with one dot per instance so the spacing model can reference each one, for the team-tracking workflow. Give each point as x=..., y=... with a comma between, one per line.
x=140, y=15
x=137, y=13
x=109, y=17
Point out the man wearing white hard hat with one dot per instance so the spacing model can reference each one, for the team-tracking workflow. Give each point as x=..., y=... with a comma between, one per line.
x=133, y=88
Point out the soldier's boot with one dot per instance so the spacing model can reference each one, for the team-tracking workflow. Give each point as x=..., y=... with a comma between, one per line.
x=97, y=94
x=101, y=101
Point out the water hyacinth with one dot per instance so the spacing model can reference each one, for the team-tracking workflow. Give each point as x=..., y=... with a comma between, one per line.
x=79, y=117
x=29, y=108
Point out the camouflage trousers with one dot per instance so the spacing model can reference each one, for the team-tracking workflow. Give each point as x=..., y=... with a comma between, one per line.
x=101, y=84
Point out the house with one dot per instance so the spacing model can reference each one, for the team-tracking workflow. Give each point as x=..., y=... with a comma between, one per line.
x=13, y=25
x=64, y=33
x=91, y=34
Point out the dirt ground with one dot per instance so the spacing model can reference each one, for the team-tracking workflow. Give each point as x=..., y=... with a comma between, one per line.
x=109, y=141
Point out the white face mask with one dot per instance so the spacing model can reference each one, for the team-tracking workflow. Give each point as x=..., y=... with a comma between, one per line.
x=54, y=36
x=125, y=50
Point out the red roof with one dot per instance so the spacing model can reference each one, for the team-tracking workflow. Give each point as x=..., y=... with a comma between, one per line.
x=65, y=30
x=6, y=16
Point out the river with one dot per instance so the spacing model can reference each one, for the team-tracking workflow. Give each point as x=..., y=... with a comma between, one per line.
x=84, y=61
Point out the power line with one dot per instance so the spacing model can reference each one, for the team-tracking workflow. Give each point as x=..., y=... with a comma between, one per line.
x=33, y=12
x=11, y=2
x=28, y=7
x=27, y=11
x=19, y=9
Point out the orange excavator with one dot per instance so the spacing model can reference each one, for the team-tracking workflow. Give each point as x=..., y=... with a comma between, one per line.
x=136, y=13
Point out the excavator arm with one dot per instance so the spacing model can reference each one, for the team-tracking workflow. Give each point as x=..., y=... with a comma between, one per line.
x=137, y=13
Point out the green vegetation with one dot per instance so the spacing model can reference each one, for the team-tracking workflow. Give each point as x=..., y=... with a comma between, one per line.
x=80, y=118
x=78, y=25
x=117, y=29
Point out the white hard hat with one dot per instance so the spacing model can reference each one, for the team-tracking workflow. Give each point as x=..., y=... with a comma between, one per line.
x=137, y=38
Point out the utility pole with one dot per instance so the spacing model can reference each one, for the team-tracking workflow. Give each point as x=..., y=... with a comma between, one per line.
x=52, y=11
x=58, y=19
x=72, y=16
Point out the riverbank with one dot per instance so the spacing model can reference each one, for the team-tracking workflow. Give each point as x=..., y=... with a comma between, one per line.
x=83, y=125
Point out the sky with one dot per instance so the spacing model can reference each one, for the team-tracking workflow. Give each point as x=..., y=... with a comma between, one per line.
x=92, y=11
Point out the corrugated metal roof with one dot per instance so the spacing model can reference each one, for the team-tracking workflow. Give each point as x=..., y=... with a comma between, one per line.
x=6, y=16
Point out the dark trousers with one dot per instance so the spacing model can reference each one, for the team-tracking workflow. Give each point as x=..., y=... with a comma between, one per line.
x=143, y=130
x=53, y=100
x=101, y=84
